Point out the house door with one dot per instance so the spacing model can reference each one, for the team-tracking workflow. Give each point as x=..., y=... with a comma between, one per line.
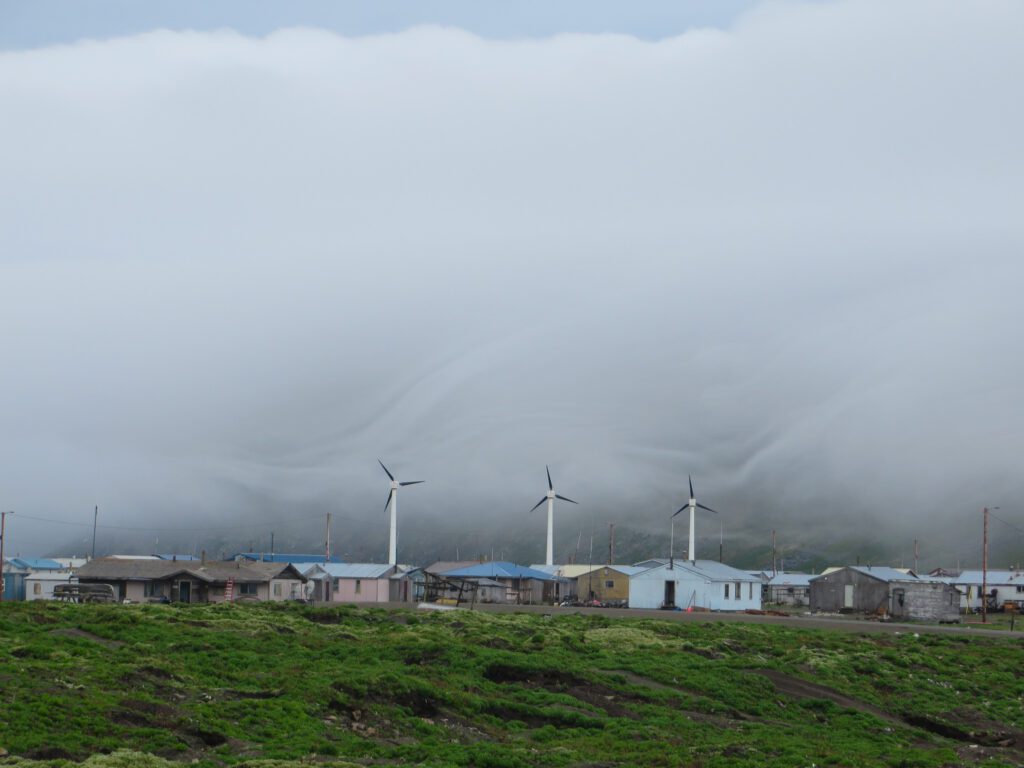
x=670, y=594
x=848, y=596
x=185, y=591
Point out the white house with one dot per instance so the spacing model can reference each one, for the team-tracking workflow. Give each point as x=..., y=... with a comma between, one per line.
x=1003, y=586
x=702, y=585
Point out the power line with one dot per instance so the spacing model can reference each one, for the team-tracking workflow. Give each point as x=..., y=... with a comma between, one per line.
x=163, y=529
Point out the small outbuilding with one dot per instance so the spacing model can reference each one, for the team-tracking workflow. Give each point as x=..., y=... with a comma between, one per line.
x=352, y=582
x=924, y=600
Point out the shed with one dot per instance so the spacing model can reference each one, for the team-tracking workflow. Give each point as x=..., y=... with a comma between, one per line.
x=13, y=579
x=700, y=584
x=924, y=600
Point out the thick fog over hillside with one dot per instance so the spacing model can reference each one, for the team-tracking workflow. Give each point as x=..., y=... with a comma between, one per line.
x=784, y=257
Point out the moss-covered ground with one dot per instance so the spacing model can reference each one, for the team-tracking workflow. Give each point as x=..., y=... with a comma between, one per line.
x=276, y=685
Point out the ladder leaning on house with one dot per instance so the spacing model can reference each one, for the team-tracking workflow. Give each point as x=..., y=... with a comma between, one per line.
x=229, y=591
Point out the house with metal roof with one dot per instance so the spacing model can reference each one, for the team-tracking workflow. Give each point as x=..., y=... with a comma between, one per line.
x=608, y=584
x=785, y=588
x=885, y=591
x=523, y=585
x=1003, y=586
x=210, y=581
x=352, y=582
x=695, y=585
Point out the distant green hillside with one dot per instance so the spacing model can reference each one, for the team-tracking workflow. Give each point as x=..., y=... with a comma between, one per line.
x=256, y=685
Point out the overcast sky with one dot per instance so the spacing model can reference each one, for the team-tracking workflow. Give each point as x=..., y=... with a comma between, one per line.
x=776, y=246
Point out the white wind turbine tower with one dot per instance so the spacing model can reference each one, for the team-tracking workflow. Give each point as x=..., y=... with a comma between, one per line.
x=550, y=498
x=692, y=506
x=393, y=503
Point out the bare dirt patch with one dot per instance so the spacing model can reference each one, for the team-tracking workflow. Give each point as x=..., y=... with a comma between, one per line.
x=75, y=632
x=804, y=689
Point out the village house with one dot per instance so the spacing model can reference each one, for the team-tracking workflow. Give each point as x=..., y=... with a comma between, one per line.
x=568, y=575
x=886, y=592
x=854, y=588
x=43, y=575
x=140, y=581
x=523, y=586
x=788, y=589
x=694, y=585
x=1004, y=586
x=351, y=582
x=608, y=584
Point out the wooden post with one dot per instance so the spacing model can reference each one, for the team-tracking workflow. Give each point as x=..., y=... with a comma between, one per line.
x=3, y=579
x=984, y=567
x=774, y=571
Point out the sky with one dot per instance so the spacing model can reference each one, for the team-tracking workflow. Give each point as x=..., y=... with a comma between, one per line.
x=246, y=252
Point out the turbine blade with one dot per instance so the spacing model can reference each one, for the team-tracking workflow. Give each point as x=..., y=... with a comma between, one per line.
x=550, y=486
x=691, y=486
x=391, y=491
x=413, y=482
x=539, y=503
x=709, y=509
x=681, y=509
x=385, y=469
x=564, y=498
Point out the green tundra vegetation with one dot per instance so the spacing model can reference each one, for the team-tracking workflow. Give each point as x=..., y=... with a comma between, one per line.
x=274, y=685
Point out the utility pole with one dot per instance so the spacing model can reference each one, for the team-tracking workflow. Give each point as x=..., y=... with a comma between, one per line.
x=271, y=545
x=915, y=555
x=3, y=538
x=95, y=515
x=984, y=565
x=327, y=541
x=721, y=539
x=611, y=543
x=774, y=570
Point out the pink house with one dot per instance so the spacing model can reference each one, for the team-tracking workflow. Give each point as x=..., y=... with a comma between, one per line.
x=353, y=582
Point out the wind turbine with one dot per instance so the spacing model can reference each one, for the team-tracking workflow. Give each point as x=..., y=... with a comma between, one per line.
x=550, y=498
x=692, y=506
x=393, y=503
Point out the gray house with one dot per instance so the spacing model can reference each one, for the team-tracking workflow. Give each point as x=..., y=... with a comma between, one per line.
x=854, y=589
x=884, y=592
x=140, y=581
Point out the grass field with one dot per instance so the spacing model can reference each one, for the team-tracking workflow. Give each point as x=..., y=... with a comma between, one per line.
x=281, y=685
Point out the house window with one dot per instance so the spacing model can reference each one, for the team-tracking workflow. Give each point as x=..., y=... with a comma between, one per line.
x=359, y=587
x=152, y=589
x=726, y=591
x=737, y=590
x=247, y=588
x=609, y=584
x=37, y=588
x=277, y=589
x=750, y=591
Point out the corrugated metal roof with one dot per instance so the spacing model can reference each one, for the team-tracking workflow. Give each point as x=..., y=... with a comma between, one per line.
x=284, y=557
x=568, y=571
x=884, y=572
x=994, y=577
x=791, y=579
x=354, y=570
x=710, y=570
x=105, y=569
x=500, y=570
x=625, y=570
x=37, y=563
